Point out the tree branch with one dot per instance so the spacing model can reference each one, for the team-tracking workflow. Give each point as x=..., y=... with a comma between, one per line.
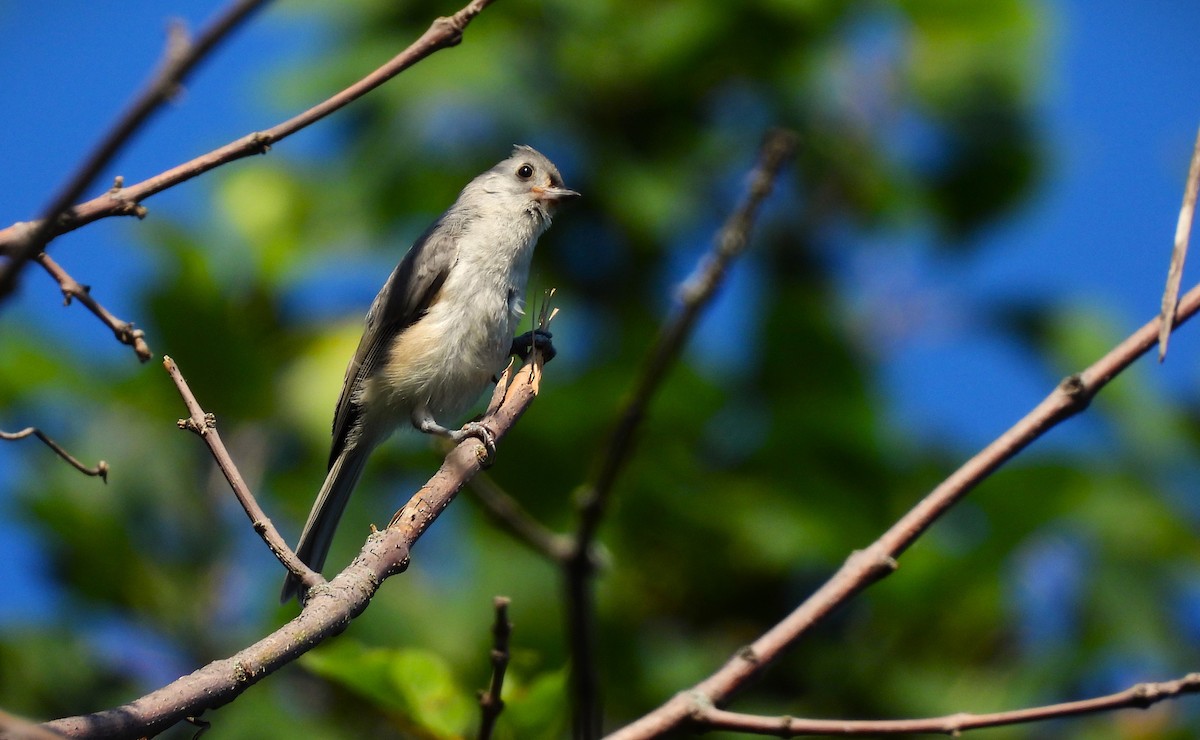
x=27, y=239
x=864, y=567
x=694, y=295
x=1140, y=696
x=490, y=703
x=23, y=242
x=1183, y=233
x=328, y=608
x=100, y=471
x=124, y=331
x=205, y=425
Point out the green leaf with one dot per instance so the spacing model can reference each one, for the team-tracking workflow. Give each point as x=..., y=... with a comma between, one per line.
x=417, y=684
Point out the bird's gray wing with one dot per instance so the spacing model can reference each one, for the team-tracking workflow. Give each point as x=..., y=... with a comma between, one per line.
x=407, y=295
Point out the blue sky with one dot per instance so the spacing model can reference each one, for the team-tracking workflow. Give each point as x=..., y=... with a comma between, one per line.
x=1118, y=109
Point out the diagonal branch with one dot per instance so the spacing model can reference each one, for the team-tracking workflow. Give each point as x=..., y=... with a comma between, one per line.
x=695, y=293
x=1183, y=234
x=23, y=237
x=205, y=425
x=328, y=609
x=866, y=566
x=1139, y=696
x=23, y=242
x=101, y=469
x=124, y=331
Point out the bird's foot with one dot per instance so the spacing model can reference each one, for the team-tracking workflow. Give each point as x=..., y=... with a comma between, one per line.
x=483, y=434
x=539, y=339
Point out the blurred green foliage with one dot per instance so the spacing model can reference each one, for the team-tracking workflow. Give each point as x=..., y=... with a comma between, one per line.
x=764, y=460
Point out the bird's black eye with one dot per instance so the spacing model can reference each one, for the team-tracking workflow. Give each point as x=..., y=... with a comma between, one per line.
x=524, y=172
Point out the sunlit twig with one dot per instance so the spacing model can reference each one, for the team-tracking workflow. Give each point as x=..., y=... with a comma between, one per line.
x=1183, y=232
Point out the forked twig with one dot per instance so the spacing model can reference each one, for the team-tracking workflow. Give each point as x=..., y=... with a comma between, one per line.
x=1140, y=696
x=124, y=331
x=695, y=294
x=205, y=425
x=866, y=566
x=27, y=239
x=327, y=610
x=23, y=242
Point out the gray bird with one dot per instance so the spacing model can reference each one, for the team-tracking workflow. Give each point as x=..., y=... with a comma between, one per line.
x=439, y=331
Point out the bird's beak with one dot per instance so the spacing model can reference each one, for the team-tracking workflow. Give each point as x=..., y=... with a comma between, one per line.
x=552, y=194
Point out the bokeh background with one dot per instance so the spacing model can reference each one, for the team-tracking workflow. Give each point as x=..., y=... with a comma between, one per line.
x=983, y=201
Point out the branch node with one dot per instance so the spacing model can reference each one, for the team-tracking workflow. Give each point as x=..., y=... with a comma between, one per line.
x=241, y=674
x=699, y=703
x=748, y=654
x=125, y=207
x=451, y=29
x=1076, y=389
x=201, y=428
x=259, y=142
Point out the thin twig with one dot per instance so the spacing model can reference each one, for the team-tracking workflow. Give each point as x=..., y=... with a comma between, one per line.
x=866, y=566
x=442, y=33
x=205, y=425
x=490, y=703
x=695, y=293
x=124, y=331
x=328, y=609
x=1183, y=232
x=1140, y=696
x=100, y=471
x=179, y=60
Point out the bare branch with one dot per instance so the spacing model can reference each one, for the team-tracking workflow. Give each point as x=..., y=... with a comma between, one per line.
x=864, y=567
x=694, y=295
x=24, y=237
x=1183, y=232
x=100, y=471
x=1140, y=696
x=328, y=608
x=490, y=703
x=24, y=241
x=205, y=425
x=124, y=331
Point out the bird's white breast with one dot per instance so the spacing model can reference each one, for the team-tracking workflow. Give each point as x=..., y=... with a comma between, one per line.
x=449, y=356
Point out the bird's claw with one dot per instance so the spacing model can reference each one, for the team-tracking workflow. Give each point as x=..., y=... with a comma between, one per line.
x=539, y=339
x=483, y=434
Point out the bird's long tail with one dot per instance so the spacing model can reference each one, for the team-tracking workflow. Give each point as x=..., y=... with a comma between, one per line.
x=326, y=511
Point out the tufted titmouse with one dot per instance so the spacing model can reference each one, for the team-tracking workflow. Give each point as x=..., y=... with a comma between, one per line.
x=439, y=330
